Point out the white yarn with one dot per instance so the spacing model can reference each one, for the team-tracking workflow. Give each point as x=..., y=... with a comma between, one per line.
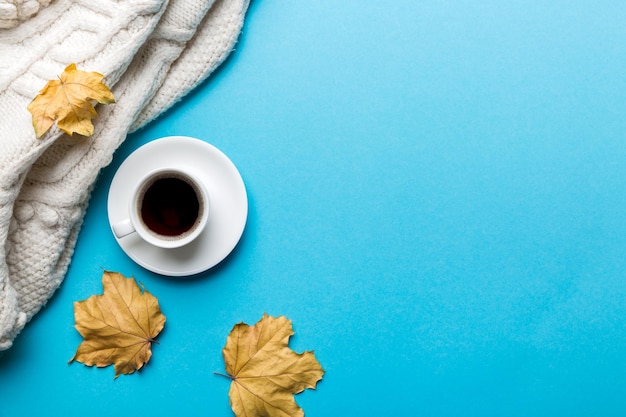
x=204, y=53
x=12, y=12
x=99, y=34
x=52, y=200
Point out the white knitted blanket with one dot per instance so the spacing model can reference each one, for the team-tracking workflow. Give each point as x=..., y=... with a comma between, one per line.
x=152, y=53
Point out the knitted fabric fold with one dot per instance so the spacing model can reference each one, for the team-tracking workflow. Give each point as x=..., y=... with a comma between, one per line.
x=43, y=196
x=13, y=12
x=101, y=34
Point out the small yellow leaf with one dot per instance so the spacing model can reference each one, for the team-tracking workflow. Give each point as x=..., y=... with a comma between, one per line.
x=70, y=100
x=119, y=326
x=265, y=372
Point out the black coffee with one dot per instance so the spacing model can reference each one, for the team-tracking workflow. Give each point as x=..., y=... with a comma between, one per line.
x=170, y=206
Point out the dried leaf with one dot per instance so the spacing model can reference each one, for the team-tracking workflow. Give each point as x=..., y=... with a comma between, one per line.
x=265, y=372
x=119, y=326
x=70, y=101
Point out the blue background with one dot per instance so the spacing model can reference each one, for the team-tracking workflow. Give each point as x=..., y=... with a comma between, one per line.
x=437, y=200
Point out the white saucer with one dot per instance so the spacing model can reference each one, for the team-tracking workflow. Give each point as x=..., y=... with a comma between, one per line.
x=227, y=196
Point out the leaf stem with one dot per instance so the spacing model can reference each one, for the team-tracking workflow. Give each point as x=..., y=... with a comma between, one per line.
x=225, y=376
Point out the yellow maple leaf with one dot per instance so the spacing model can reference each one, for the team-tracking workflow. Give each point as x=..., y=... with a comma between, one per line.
x=265, y=372
x=69, y=100
x=119, y=326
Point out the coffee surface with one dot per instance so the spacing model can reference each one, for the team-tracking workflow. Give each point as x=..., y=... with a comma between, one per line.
x=170, y=207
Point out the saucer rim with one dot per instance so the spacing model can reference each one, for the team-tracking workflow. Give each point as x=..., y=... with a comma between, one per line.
x=178, y=142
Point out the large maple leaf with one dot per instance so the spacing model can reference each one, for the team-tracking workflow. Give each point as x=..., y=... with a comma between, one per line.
x=119, y=326
x=69, y=100
x=265, y=372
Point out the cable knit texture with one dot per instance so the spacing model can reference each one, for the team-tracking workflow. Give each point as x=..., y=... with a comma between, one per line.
x=152, y=56
x=12, y=12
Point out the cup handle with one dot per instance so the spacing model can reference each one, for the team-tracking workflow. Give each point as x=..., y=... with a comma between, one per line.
x=123, y=228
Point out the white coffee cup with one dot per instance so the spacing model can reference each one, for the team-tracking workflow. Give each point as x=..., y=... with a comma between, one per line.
x=169, y=208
